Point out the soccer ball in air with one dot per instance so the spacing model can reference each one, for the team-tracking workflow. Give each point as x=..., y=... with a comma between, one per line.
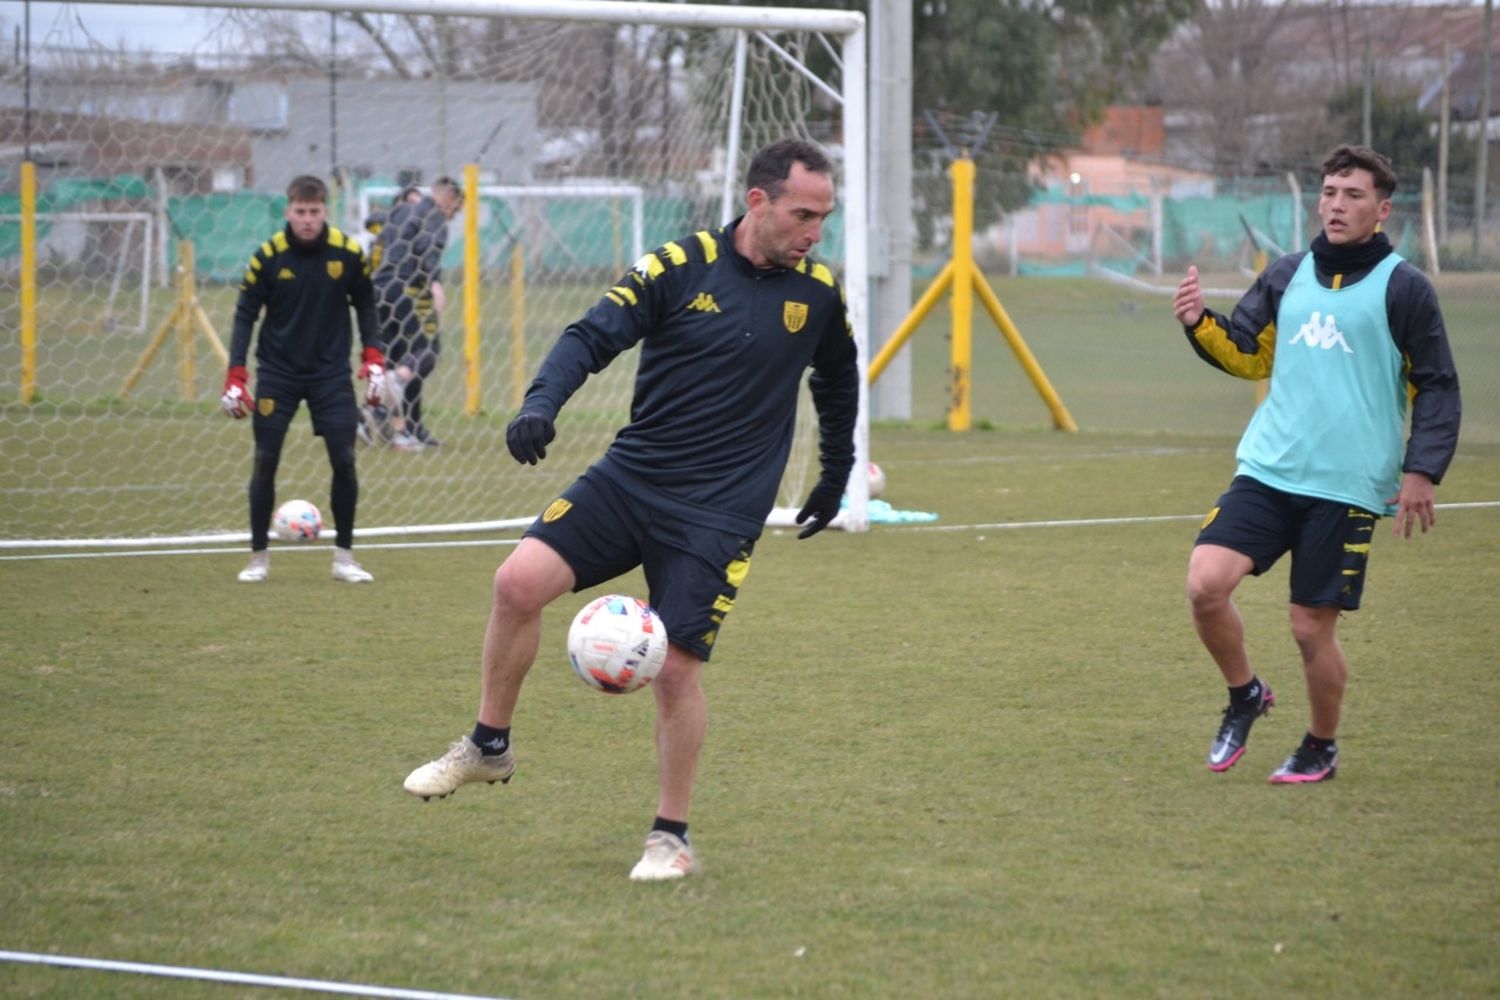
x=617, y=644
x=876, y=477
x=297, y=521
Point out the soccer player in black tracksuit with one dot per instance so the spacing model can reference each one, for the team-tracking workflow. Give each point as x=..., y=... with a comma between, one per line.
x=305, y=278
x=409, y=301
x=727, y=321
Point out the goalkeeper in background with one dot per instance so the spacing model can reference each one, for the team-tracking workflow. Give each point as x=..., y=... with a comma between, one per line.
x=305, y=278
x=409, y=303
x=728, y=321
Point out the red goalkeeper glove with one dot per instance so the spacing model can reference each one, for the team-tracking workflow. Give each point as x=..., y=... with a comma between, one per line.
x=237, y=401
x=372, y=371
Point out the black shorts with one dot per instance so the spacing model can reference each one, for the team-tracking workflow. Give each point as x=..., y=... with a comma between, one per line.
x=1329, y=541
x=330, y=400
x=693, y=572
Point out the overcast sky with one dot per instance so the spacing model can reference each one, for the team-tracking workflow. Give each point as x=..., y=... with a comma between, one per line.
x=162, y=29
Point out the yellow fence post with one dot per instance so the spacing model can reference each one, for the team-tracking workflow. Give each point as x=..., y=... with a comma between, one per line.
x=963, y=294
x=28, y=281
x=965, y=281
x=186, y=312
x=471, y=289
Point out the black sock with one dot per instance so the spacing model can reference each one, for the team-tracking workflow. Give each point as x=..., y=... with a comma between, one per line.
x=674, y=827
x=1246, y=694
x=1317, y=744
x=491, y=741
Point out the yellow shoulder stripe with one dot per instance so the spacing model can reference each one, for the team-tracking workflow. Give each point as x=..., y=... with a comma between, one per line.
x=279, y=241
x=265, y=249
x=710, y=246
x=675, y=253
x=823, y=274
x=622, y=295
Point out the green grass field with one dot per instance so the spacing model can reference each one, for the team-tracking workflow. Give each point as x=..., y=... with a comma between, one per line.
x=962, y=760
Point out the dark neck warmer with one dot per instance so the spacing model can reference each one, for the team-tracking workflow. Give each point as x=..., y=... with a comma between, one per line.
x=1347, y=258
x=307, y=249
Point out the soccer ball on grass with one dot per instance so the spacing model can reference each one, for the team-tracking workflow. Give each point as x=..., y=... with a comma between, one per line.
x=617, y=644
x=297, y=521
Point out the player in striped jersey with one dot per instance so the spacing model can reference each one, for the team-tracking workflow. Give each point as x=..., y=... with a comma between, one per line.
x=728, y=321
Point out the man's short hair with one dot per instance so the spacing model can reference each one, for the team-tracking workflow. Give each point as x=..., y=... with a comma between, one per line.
x=1346, y=158
x=771, y=166
x=307, y=188
x=446, y=183
x=405, y=193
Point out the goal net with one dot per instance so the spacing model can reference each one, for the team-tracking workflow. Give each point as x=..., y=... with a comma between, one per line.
x=591, y=132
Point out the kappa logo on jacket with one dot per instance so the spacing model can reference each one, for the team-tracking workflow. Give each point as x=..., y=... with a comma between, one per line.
x=704, y=303
x=285, y=274
x=1321, y=331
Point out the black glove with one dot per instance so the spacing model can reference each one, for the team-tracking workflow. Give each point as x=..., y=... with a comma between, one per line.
x=527, y=437
x=822, y=506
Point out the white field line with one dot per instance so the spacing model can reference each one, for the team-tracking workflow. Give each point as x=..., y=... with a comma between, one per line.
x=246, y=978
x=279, y=550
x=1089, y=522
x=1103, y=521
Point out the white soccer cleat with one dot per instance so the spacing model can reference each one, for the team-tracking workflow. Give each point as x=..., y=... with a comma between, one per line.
x=463, y=763
x=346, y=570
x=406, y=442
x=258, y=569
x=667, y=856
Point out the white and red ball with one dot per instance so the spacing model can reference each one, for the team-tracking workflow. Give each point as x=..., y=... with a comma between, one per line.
x=617, y=644
x=297, y=521
x=876, y=478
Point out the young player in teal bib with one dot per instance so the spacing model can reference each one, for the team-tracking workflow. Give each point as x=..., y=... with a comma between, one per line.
x=1346, y=332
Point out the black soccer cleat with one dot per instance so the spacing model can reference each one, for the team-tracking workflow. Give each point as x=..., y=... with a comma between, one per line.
x=1307, y=765
x=1234, y=731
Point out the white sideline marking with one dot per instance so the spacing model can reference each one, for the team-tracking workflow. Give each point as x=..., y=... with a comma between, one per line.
x=228, y=537
x=247, y=978
x=993, y=526
x=279, y=550
x=1099, y=521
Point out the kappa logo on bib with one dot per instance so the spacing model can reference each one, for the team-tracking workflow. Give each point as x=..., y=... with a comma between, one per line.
x=1322, y=331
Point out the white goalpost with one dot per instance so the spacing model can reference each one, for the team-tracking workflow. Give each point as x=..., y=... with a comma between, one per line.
x=66, y=244
x=597, y=130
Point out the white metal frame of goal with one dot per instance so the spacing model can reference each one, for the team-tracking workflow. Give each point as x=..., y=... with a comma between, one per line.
x=147, y=231
x=852, y=97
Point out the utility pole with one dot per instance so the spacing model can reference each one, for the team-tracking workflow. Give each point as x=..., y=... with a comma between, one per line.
x=1443, y=125
x=890, y=197
x=1369, y=74
x=1482, y=168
